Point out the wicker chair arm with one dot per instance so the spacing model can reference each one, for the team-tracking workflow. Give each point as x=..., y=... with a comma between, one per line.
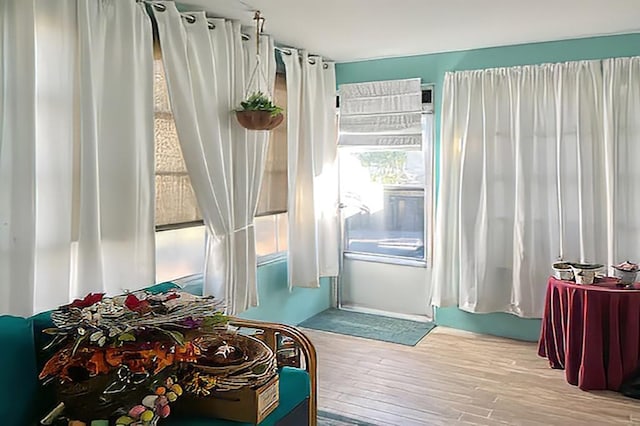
x=270, y=331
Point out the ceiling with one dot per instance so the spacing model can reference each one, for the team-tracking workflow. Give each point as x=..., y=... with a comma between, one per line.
x=349, y=30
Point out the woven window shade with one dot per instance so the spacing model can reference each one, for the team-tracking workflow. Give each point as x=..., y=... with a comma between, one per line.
x=381, y=113
x=273, y=191
x=175, y=199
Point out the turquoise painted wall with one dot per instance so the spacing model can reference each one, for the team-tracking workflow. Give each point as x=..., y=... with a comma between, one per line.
x=431, y=69
x=275, y=302
x=497, y=324
x=278, y=304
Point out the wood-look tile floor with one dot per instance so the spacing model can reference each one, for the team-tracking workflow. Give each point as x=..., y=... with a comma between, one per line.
x=455, y=378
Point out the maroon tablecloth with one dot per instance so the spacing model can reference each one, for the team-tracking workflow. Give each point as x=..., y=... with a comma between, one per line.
x=592, y=331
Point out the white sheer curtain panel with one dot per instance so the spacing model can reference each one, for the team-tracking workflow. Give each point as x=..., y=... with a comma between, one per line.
x=206, y=72
x=17, y=160
x=622, y=141
x=249, y=158
x=76, y=151
x=116, y=237
x=522, y=183
x=312, y=172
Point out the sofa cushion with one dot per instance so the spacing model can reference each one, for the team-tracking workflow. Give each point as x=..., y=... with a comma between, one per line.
x=18, y=372
x=294, y=388
x=162, y=287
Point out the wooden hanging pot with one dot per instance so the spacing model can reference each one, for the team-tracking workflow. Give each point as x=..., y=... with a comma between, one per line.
x=257, y=111
x=259, y=120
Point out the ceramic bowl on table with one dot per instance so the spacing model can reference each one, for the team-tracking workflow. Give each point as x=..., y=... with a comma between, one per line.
x=585, y=273
x=626, y=272
x=563, y=271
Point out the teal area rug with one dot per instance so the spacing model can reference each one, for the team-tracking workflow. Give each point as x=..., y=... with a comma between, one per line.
x=326, y=418
x=394, y=330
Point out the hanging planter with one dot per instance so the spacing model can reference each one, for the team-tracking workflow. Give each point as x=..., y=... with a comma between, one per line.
x=257, y=111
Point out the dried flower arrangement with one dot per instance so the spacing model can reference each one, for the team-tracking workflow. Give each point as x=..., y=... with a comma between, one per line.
x=116, y=351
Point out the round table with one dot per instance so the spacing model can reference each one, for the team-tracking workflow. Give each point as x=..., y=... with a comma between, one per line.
x=592, y=332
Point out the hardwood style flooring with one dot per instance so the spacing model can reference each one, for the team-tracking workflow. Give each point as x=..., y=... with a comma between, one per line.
x=455, y=378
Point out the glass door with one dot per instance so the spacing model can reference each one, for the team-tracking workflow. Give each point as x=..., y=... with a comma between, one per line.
x=386, y=201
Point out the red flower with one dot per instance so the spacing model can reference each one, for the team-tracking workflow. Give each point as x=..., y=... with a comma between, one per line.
x=89, y=300
x=135, y=304
x=172, y=296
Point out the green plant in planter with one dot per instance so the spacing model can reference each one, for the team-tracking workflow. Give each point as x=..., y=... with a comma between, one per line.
x=258, y=101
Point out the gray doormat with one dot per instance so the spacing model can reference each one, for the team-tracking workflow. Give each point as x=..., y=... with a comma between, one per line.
x=394, y=330
x=326, y=418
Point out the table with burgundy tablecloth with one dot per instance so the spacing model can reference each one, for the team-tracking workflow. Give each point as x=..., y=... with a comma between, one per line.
x=592, y=332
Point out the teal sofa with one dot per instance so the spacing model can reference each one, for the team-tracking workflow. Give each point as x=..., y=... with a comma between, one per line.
x=23, y=401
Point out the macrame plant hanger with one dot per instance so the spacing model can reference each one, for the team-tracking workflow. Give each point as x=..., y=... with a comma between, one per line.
x=257, y=111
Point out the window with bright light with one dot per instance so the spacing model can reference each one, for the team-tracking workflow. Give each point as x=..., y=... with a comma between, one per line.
x=385, y=192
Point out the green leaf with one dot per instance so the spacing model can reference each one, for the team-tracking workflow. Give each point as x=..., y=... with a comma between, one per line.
x=175, y=335
x=258, y=101
x=54, y=331
x=215, y=319
x=127, y=337
x=76, y=345
x=59, y=338
x=259, y=369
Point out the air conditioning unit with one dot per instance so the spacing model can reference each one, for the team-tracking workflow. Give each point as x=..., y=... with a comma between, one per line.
x=427, y=99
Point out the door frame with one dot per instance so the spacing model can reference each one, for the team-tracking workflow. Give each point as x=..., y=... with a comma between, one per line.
x=429, y=150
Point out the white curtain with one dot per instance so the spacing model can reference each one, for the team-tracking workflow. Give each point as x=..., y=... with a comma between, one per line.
x=312, y=172
x=76, y=151
x=207, y=64
x=622, y=142
x=522, y=183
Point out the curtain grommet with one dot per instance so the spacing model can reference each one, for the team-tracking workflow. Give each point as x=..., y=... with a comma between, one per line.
x=159, y=7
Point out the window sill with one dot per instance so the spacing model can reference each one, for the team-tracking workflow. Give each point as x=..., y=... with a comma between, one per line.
x=176, y=226
x=272, y=258
x=386, y=259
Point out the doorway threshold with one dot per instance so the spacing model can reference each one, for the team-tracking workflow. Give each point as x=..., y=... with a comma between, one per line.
x=364, y=310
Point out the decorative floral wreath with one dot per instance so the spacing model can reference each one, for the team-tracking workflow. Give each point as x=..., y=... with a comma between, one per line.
x=136, y=336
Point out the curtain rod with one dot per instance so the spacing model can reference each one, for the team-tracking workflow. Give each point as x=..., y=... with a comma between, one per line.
x=191, y=19
x=287, y=51
x=186, y=15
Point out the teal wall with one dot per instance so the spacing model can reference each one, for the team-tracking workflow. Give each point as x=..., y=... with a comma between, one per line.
x=497, y=324
x=431, y=69
x=278, y=304
x=275, y=302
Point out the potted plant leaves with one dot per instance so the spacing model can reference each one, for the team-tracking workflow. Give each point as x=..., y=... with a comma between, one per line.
x=258, y=112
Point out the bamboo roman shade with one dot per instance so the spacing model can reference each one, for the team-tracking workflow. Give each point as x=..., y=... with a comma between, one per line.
x=381, y=113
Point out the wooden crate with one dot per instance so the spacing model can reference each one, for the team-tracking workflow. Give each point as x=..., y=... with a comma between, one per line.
x=243, y=405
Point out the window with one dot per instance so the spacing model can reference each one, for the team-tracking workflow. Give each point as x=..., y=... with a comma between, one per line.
x=271, y=234
x=176, y=205
x=175, y=200
x=273, y=193
x=271, y=217
x=384, y=194
x=383, y=191
x=385, y=155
